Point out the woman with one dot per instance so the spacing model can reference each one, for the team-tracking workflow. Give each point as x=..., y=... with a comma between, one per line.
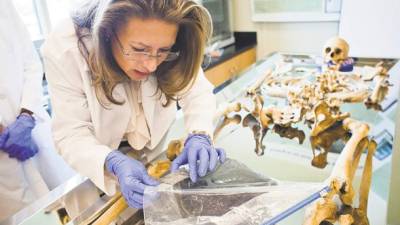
x=117, y=72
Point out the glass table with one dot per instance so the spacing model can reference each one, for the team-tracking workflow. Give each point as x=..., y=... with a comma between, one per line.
x=283, y=159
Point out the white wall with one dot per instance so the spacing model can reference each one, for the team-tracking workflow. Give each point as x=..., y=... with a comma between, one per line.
x=302, y=37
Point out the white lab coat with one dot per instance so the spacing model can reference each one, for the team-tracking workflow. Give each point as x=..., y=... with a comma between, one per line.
x=21, y=87
x=85, y=132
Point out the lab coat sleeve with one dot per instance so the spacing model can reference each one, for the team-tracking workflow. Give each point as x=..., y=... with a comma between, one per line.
x=199, y=106
x=72, y=127
x=32, y=93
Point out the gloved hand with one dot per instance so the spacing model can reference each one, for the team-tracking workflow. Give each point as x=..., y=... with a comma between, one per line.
x=132, y=177
x=198, y=147
x=17, y=138
x=347, y=65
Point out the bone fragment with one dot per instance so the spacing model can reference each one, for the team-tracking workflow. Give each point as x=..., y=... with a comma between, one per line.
x=324, y=209
x=252, y=90
x=324, y=119
x=290, y=132
x=251, y=122
x=224, y=110
x=355, y=96
x=283, y=116
x=175, y=148
x=236, y=119
x=158, y=169
x=380, y=90
x=258, y=104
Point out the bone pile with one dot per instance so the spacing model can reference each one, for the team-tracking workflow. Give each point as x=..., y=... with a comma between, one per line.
x=316, y=99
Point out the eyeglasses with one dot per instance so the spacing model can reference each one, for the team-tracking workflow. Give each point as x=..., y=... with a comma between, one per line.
x=141, y=56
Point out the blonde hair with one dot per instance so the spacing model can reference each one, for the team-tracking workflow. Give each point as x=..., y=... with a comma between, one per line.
x=98, y=20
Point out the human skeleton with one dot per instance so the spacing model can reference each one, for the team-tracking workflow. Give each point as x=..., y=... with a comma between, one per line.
x=318, y=104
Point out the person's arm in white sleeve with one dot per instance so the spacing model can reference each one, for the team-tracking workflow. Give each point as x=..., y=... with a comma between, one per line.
x=199, y=106
x=72, y=125
x=32, y=92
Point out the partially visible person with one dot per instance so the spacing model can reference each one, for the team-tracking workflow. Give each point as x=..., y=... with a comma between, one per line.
x=116, y=72
x=29, y=165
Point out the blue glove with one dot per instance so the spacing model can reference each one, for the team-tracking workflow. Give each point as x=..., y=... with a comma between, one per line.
x=346, y=66
x=17, y=138
x=198, y=147
x=132, y=177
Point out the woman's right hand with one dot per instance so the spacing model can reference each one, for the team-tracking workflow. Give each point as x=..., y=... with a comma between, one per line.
x=132, y=177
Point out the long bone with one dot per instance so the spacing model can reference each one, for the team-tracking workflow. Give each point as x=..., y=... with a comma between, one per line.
x=354, y=96
x=235, y=119
x=344, y=164
x=224, y=110
x=368, y=73
x=325, y=209
x=348, y=196
x=342, y=175
x=359, y=215
x=253, y=89
x=366, y=177
x=222, y=119
x=380, y=90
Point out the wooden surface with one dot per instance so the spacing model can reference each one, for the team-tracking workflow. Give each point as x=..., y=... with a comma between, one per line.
x=226, y=70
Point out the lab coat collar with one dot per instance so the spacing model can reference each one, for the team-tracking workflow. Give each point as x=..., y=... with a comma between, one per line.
x=149, y=100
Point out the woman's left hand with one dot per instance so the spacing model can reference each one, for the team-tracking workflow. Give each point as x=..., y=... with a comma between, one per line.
x=198, y=147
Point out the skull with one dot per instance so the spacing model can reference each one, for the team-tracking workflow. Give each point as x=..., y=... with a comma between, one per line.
x=336, y=50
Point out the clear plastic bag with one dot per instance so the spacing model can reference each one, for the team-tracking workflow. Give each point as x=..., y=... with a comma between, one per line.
x=232, y=195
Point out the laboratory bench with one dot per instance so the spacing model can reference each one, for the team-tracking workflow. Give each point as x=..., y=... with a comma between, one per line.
x=284, y=159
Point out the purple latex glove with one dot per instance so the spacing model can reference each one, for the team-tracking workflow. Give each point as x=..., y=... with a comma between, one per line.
x=132, y=177
x=198, y=147
x=346, y=66
x=17, y=138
